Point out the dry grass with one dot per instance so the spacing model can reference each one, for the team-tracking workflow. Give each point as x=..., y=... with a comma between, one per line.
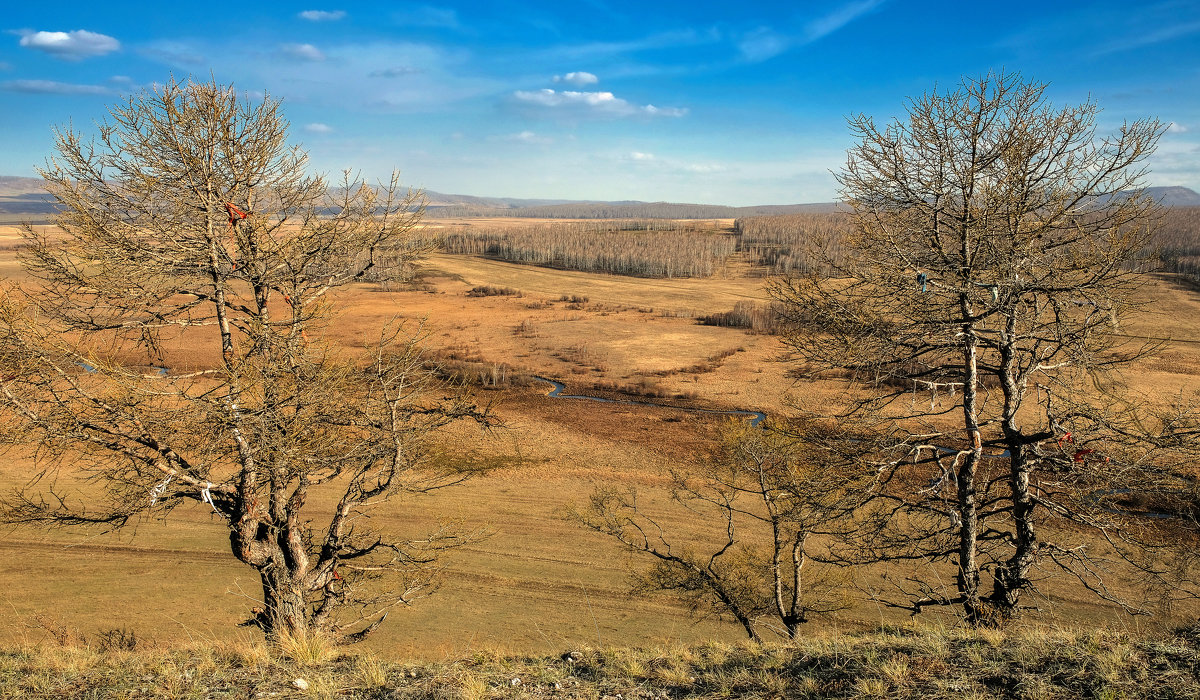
x=538, y=584
x=896, y=662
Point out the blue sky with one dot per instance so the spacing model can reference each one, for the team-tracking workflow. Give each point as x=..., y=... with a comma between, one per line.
x=714, y=102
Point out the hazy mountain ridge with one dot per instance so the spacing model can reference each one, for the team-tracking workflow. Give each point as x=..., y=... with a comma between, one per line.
x=26, y=196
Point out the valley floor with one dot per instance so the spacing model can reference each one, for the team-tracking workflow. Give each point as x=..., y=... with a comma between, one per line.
x=538, y=584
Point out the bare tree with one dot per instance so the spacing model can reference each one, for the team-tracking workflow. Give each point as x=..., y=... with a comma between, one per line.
x=766, y=512
x=190, y=220
x=976, y=309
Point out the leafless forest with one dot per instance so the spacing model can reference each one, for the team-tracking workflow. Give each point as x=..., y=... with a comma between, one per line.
x=1178, y=242
x=791, y=242
x=777, y=244
x=642, y=248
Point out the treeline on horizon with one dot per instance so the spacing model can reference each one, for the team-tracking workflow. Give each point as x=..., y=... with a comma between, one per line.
x=1177, y=242
x=638, y=248
x=794, y=243
x=779, y=244
x=624, y=210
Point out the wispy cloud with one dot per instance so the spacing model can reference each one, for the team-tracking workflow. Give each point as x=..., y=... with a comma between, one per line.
x=1176, y=128
x=175, y=53
x=1175, y=162
x=427, y=16
x=762, y=44
x=593, y=103
x=596, y=50
x=52, y=87
x=302, y=52
x=389, y=76
x=395, y=72
x=318, y=128
x=529, y=137
x=72, y=46
x=830, y=23
x=665, y=111
x=765, y=43
x=1138, y=39
x=577, y=78
x=671, y=165
x=322, y=15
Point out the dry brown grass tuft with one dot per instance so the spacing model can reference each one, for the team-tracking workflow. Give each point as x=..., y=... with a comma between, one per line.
x=897, y=662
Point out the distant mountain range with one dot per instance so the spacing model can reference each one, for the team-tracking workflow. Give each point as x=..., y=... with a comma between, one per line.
x=24, y=196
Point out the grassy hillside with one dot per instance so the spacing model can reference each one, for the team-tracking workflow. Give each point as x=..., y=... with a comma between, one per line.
x=897, y=662
x=538, y=584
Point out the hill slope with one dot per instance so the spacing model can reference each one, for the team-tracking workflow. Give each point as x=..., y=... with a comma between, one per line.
x=895, y=663
x=24, y=196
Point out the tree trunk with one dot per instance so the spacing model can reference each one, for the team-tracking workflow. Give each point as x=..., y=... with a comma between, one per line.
x=968, y=533
x=1013, y=577
x=286, y=612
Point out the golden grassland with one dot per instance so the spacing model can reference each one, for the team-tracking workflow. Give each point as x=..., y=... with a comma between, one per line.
x=931, y=663
x=537, y=584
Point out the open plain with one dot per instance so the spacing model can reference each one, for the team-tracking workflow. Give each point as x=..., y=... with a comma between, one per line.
x=536, y=582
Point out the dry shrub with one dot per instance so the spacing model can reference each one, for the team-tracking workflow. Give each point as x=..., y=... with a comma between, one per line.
x=467, y=367
x=310, y=648
x=488, y=290
x=526, y=329
x=710, y=364
x=643, y=387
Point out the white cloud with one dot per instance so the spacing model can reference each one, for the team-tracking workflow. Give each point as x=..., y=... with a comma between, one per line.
x=318, y=128
x=302, y=52
x=530, y=138
x=598, y=103
x=670, y=165
x=1176, y=128
x=665, y=111
x=322, y=15
x=553, y=98
x=577, y=78
x=51, y=87
x=72, y=46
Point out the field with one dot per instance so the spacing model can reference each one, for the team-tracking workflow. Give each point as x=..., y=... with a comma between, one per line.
x=538, y=583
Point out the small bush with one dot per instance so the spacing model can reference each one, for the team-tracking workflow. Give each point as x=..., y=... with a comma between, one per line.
x=118, y=639
x=487, y=290
x=526, y=329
